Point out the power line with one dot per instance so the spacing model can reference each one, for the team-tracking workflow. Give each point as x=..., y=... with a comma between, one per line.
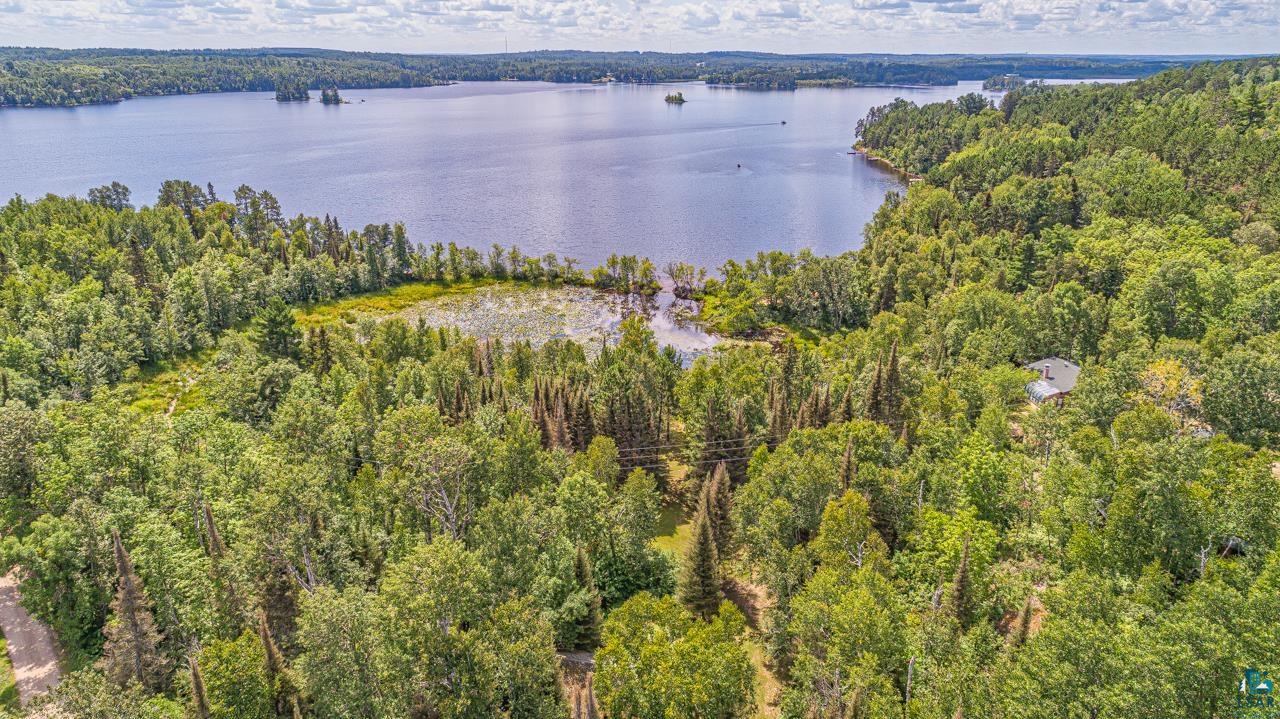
x=692, y=442
x=695, y=463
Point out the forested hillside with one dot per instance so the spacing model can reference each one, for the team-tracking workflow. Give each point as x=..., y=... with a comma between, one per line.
x=36, y=77
x=65, y=78
x=377, y=519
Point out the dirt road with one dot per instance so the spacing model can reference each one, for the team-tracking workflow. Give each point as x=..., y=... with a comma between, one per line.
x=31, y=648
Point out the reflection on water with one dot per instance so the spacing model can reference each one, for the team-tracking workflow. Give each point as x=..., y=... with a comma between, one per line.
x=589, y=317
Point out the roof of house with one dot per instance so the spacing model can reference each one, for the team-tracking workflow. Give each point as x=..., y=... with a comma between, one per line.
x=1042, y=391
x=1061, y=378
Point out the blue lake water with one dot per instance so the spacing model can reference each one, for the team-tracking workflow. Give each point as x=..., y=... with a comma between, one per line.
x=577, y=170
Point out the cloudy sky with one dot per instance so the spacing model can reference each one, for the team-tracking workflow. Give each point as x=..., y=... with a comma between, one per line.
x=1038, y=26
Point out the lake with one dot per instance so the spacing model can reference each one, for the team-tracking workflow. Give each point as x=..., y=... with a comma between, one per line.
x=579, y=170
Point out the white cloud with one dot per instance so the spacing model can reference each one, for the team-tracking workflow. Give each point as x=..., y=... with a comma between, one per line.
x=1115, y=26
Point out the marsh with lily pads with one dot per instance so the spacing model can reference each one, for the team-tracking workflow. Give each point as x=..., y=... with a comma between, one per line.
x=537, y=314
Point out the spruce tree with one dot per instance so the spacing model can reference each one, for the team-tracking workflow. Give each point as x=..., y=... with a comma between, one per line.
x=891, y=391
x=220, y=571
x=1022, y=630
x=700, y=575
x=719, y=505
x=959, y=600
x=848, y=466
x=199, y=699
x=846, y=405
x=589, y=625
x=131, y=653
x=875, y=394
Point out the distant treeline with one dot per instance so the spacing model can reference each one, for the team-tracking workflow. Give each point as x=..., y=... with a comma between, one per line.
x=65, y=78
x=40, y=77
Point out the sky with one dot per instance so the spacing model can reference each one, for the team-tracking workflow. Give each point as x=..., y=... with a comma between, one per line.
x=427, y=26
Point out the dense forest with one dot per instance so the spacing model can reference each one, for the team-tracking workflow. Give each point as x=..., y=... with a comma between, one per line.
x=385, y=519
x=34, y=77
x=45, y=77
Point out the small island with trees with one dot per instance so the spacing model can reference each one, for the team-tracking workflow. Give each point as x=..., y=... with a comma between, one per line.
x=676, y=98
x=292, y=89
x=1004, y=83
x=330, y=96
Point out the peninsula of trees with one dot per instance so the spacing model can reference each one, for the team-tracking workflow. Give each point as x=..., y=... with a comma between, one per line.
x=227, y=508
x=37, y=77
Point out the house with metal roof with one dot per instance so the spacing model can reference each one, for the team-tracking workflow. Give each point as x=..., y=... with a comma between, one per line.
x=1057, y=379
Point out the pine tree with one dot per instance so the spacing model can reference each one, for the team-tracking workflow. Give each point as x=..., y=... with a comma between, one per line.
x=278, y=334
x=131, y=653
x=199, y=700
x=1250, y=111
x=590, y=623
x=700, y=575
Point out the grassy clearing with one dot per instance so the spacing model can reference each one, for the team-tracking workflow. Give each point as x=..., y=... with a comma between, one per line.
x=768, y=689
x=674, y=531
x=8, y=683
x=383, y=302
x=157, y=384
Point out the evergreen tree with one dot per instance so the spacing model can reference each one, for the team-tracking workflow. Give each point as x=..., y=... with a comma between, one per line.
x=891, y=392
x=848, y=466
x=959, y=601
x=716, y=502
x=1022, y=630
x=875, y=394
x=589, y=624
x=278, y=334
x=220, y=571
x=131, y=653
x=400, y=251
x=280, y=679
x=199, y=699
x=278, y=593
x=1250, y=112
x=320, y=351
x=700, y=575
